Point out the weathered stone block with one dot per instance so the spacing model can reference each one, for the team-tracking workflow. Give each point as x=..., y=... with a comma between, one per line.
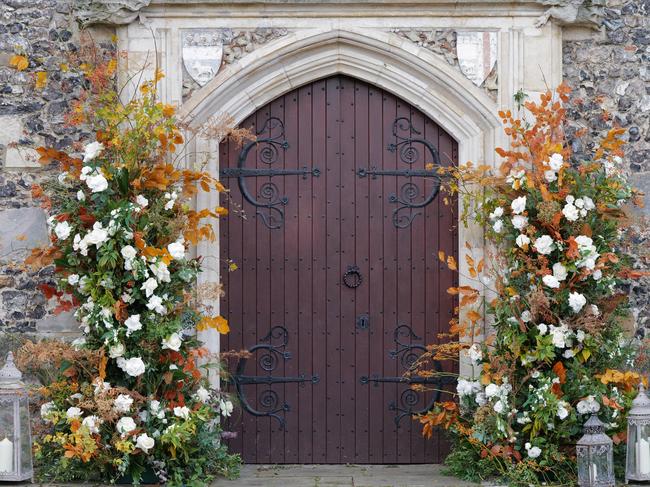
x=22, y=230
x=58, y=325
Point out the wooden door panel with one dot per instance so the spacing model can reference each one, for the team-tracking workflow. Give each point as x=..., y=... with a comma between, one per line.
x=323, y=382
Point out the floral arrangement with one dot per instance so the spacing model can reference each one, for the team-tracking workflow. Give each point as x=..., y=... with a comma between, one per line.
x=128, y=401
x=550, y=288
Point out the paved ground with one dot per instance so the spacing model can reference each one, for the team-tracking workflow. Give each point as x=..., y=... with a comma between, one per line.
x=342, y=475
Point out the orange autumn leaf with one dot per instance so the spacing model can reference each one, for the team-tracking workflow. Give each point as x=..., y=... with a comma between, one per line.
x=560, y=371
x=19, y=62
x=451, y=263
x=218, y=323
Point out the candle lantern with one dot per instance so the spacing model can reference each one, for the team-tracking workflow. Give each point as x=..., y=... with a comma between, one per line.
x=595, y=456
x=637, y=465
x=15, y=429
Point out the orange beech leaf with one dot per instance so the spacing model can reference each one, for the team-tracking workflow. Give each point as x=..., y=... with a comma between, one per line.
x=572, y=251
x=451, y=263
x=441, y=255
x=473, y=316
x=221, y=211
x=560, y=371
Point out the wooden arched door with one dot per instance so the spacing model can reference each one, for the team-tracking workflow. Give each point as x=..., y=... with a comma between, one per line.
x=338, y=285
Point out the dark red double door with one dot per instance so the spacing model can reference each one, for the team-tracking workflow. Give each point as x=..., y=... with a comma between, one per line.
x=338, y=285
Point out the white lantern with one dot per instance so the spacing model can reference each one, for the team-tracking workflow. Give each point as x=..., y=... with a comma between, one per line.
x=15, y=428
x=637, y=464
x=595, y=452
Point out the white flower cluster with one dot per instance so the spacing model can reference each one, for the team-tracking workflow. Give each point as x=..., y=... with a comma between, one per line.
x=94, y=179
x=576, y=208
x=97, y=237
x=468, y=388
x=554, y=164
x=588, y=405
x=500, y=394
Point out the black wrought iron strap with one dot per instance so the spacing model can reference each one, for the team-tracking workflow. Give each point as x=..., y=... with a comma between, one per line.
x=268, y=200
x=411, y=197
x=273, y=352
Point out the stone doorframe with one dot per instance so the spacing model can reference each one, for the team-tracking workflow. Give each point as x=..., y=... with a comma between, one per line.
x=528, y=58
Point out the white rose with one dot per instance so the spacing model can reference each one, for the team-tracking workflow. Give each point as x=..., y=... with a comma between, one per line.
x=491, y=390
x=526, y=316
x=134, y=366
x=73, y=413
x=518, y=205
x=542, y=328
x=92, y=423
x=498, y=226
x=46, y=409
x=519, y=222
x=80, y=195
x=144, y=442
x=73, y=279
x=588, y=405
x=499, y=407
x=161, y=271
x=116, y=351
x=182, y=412
x=176, y=250
x=544, y=245
x=522, y=240
x=556, y=162
x=173, y=342
x=125, y=425
x=475, y=353
x=62, y=230
x=498, y=212
x=577, y=301
x=128, y=252
x=101, y=386
x=92, y=150
x=551, y=281
x=142, y=201
x=149, y=286
x=589, y=203
x=580, y=335
x=97, y=236
x=570, y=212
x=550, y=176
x=559, y=271
x=122, y=403
x=534, y=452
x=133, y=324
x=226, y=408
x=597, y=274
x=96, y=181
x=202, y=394
x=155, y=304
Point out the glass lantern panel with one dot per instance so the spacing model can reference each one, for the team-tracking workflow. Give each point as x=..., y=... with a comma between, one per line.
x=641, y=450
x=632, y=449
x=582, y=453
x=7, y=436
x=600, y=463
x=25, y=438
x=6, y=418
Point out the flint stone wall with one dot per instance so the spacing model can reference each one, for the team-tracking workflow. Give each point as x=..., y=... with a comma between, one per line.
x=609, y=69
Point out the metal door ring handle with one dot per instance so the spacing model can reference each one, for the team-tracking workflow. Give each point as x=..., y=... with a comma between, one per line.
x=352, y=277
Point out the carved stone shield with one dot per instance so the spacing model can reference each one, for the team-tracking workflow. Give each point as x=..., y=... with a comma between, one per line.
x=477, y=54
x=202, y=53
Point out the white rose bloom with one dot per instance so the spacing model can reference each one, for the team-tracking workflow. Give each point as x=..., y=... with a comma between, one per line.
x=149, y=286
x=122, y=403
x=155, y=304
x=226, y=408
x=534, y=452
x=96, y=181
x=46, y=409
x=597, y=275
x=161, y=271
x=134, y=366
x=559, y=271
x=588, y=405
x=568, y=353
x=101, y=386
x=570, y=212
x=467, y=388
x=522, y=240
x=550, y=176
x=81, y=196
x=580, y=335
x=480, y=399
x=128, y=252
x=92, y=150
x=499, y=407
x=116, y=351
x=182, y=412
x=142, y=201
x=97, y=236
x=589, y=203
x=519, y=222
x=144, y=442
x=62, y=230
x=173, y=342
x=498, y=226
x=73, y=413
x=542, y=328
x=551, y=281
x=125, y=425
x=497, y=213
x=202, y=394
x=518, y=205
x=176, y=250
x=73, y=279
x=491, y=390
x=577, y=301
x=544, y=245
x=526, y=316
x=92, y=423
x=475, y=353
x=556, y=162
x=133, y=324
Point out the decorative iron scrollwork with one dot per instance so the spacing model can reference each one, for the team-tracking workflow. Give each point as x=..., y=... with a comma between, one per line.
x=272, y=351
x=410, y=197
x=408, y=354
x=352, y=277
x=269, y=201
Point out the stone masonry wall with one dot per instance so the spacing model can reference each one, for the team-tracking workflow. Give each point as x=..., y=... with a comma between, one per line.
x=611, y=73
x=610, y=70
